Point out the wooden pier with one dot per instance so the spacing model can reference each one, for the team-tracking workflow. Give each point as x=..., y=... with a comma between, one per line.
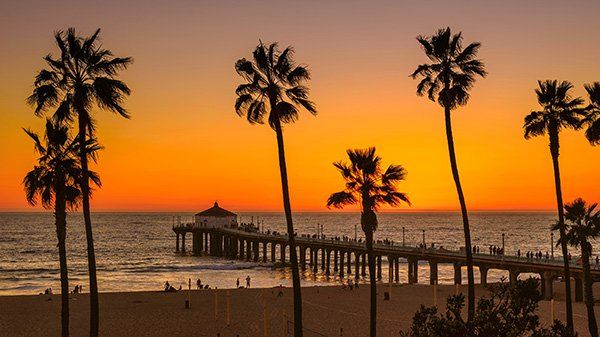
x=348, y=257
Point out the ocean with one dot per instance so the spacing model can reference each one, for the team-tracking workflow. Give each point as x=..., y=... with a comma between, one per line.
x=136, y=251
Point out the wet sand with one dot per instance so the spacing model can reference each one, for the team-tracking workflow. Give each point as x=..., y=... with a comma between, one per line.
x=326, y=311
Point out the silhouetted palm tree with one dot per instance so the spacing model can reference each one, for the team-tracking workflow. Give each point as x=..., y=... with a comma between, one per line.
x=370, y=187
x=592, y=119
x=274, y=87
x=559, y=111
x=584, y=225
x=83, y=76
x=54, y=182
x=447, y=80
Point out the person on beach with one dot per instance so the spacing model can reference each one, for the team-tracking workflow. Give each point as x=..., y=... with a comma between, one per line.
x=237, y=283
x=280, y=292
x=350, y=284
x=199, y=284
x=248, y=281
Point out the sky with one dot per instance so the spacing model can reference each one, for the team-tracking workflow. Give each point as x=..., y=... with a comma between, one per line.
x=185, y=147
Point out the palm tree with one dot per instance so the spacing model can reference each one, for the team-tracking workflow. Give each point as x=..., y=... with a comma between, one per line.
x=559, y=111
x=584, y=226
x=592, y=120
x=447, y=80
x=370, y=187
x=274, y=86
x=81, y=78
x=54, y=182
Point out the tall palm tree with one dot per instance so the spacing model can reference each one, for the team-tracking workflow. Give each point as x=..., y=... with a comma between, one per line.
x=592, y=119
x=584, y=225
x=559, y=111
x=369, y=186
x=447, y=79
x=82, y=77
x=54, y=181
x=275, y=87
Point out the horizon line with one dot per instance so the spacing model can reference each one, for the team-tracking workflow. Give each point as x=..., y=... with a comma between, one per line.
x=107, y=210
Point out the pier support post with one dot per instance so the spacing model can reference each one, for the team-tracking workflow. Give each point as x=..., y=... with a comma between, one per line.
x=315, y=260
x=379, y=267
x=578, y=289
x=177, y=243
x=416, y=272
x=194, y=243
x=483, y=271
x=256, y=253
x=356, y=264
x=200, y=242
x=206, y=239
x=183, y=242
x=264, y=244
x=311, y=257
x=457, y=273
x=390, y=260
x=396, y=269
x=349, y=260
x=411, y=270
x=302, y=258
x=513, y=276
x=548, y=284
x=282, y=252
x=323, y=254
x=335, y=260
x=363, y=267
x=341, y=263
x=327, y=262
x=242, y=249
x=248, y=250
x=273, y=246
x=433, y=272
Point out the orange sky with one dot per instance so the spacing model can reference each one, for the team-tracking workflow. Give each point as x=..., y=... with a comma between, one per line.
x=185, y=147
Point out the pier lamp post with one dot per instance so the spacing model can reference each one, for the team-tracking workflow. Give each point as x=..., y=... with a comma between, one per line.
x=424, y=239
x=355, y=232
x=552, y=244
x=403, y=237
x=502, y=243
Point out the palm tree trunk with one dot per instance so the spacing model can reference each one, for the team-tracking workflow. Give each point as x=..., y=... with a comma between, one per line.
x=554, y=151
x=586, y=251
x=372, y=278
x=85, y=196
x=60, y=216
x=291, y=235
x=465, y=216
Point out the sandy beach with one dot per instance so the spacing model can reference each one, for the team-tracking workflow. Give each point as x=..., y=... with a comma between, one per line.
x=326, y=311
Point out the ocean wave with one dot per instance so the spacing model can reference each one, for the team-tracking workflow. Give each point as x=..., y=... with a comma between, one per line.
x=188, y=268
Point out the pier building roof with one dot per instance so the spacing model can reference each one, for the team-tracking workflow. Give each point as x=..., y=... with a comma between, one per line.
x=216, y=211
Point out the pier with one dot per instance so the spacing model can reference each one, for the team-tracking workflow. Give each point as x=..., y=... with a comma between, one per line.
x=348, y=257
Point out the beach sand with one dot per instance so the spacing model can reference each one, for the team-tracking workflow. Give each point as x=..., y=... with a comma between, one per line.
x=326, y=310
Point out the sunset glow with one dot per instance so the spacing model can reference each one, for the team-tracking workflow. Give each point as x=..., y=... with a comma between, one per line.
x=185, y=147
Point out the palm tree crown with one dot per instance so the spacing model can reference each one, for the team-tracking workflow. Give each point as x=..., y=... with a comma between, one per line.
x=274, y=85
x=57, y=163
x=559, y=109
x=452, y=71
x=368, y=184
x=83, y=75
x=584, y=222
x=592, y=119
